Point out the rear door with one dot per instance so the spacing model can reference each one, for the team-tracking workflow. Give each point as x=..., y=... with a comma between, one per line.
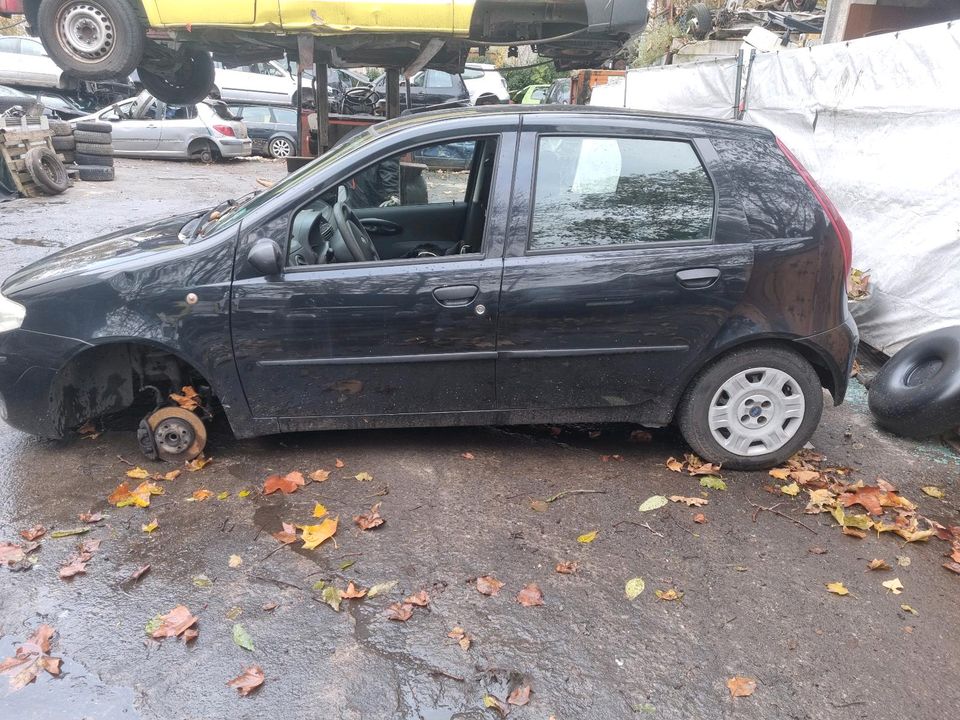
x=179, y=126
x=614, y=279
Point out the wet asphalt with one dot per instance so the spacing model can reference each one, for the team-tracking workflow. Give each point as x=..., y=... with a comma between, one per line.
x=754, y=602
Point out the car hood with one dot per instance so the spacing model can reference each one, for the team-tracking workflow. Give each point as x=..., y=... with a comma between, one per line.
x=131, y=245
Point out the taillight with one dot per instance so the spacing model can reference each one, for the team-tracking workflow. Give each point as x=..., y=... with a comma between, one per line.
x=225, y=130
x=839, y=226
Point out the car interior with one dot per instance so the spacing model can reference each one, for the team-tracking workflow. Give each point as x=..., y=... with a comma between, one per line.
x=427, y=202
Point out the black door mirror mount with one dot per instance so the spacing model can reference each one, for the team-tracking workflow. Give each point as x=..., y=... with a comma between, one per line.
x=266, y=257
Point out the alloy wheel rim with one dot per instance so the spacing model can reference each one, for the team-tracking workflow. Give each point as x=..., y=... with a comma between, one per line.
x=757, y=411
x=280, y=148
x=86, y=31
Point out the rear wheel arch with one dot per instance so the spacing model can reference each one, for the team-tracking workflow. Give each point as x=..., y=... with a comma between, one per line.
x=199, y=145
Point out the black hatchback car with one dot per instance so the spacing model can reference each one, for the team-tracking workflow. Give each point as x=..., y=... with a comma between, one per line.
x=589, y=265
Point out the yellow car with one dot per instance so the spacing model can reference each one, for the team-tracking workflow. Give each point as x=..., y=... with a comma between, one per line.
x=170, y=41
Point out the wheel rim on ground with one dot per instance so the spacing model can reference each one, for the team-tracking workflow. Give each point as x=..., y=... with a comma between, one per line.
x=757, y=411
x=179, y=434
x=280, y=148
x=86, y=31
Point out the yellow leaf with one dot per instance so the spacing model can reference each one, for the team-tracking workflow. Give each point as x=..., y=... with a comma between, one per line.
x=363, y=476
x=894, y=586
x=780, y=473
x=138, y=473
x=172, y=475
x=150, y=526
x=837, y=588
x=668, y=595
x=907, y=608
x=319, y=510
x=634, y=587
x=235, y=561
x=820, y=501
x=198, y=463
x=931, y=490
x=314, y=535
x=243, y=493
x=223, y=496
x=200, y=495
x=792, y=489
x=588, y=537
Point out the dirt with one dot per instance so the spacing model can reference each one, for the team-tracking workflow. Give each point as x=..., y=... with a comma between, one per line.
x=754, y=598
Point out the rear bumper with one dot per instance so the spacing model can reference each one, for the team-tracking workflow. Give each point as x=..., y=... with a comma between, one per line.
x=235, y=147
x=838, y=349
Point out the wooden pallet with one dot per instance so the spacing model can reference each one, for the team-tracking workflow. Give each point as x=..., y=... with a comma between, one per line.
x=15, y=143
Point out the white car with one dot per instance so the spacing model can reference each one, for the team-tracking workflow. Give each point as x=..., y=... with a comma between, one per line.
x=483, y=79
x=262, y=83
x=24, y=63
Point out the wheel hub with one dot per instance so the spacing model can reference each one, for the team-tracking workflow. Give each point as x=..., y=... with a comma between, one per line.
x=86, y=31
x=173, y=436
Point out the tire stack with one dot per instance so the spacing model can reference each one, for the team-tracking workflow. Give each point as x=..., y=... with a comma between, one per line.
x=93, y=143
x=63, y=142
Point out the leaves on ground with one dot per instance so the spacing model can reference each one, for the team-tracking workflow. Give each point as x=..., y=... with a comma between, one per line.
x=588, y=537
x=319, y=510
x=363, y=476
x=907, y=608
x=654, y=502
x=352, y=592
x=370, y=519
x=837, y=588
x=894, y=586
x=34, y=533
x=138, y=473
x=792, y=489
x=401, y=612
x=287, y=535
x=56, y=534
x=566, y=568
x=674, y=464
x=90, y=517
x=740, y=686
x=78, y=561
x=123, y=496
x=200, y=495
x=241, y=638
x=494, y=703
x=198, y=463
x=235, y=561
x=488, y=585
x=381, y=588
x=320, y=475
x=177, y=622
x=634, y=587
x=468, y=456
x=530, y=595
x=700, y=518
x=187, y=398
x=289, y=483
x=713, y=482
x=689, y=501
x=520, y=696
x=138, y=573
x=150, y=526
x=314, y=535
x=878, y=564
x=933, y=491
x=30, y=659
x=670, y=595
x=340, y=463
x=420, y=599
x=461, y=636
x=247, y=681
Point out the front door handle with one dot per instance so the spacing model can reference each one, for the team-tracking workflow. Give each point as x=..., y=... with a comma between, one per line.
x=456, y=295
x=377, y=226
x=698, y=278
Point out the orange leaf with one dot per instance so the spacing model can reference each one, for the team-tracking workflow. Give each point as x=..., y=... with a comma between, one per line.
x=176, y=622
x=352, y=592
x=566, y=568
x=674, y=464
x=340, y=463
x=90, y=517
x=198, y=463
x=369, y=520
x=488, y=585
x=289, y=483
x=421, y=599
x=530, y=596
x=401, y=612
x=201, y=495
x=467, y=456
x=520, y=696
x=287, y=535
x=34, y=533
x=320, y=475
x=249, y=680
x=700, y=518
x=741, y=686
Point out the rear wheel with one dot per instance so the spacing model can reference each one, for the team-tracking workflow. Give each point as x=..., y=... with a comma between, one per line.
x=186, y=80
x=752, y=409
x=92, y=39
x=280, y=147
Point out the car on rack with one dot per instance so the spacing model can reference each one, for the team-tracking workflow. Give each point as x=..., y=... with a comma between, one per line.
x=590, y=265
x=144, y=127
x=271, y=128
x=171, y=41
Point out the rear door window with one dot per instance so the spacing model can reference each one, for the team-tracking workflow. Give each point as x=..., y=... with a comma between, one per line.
x=601, y=191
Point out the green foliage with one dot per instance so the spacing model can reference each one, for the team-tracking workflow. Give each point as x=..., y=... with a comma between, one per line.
x=539, y=75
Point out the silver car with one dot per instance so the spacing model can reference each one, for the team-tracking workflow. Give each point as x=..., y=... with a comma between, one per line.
x=145, y=127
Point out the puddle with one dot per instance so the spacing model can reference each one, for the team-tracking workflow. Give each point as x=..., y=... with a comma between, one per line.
x=33, y=242
x=76, y=693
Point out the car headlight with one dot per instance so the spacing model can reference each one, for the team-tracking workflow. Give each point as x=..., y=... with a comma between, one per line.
x=11, y=314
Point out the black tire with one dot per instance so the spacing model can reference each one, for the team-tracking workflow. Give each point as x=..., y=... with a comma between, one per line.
x=92, y=126
x=69, y=158
x=95, y=173
x=93, y=138
x=706, y=392
x=697, y=21
x=917, y=392
x=189, y=84
x=61, y=128
x=115, y=35
x=46, y=170
x=87, y=149
x=62, y=142
x=98, y=160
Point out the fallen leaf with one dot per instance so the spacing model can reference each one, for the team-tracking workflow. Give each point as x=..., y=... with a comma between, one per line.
x=90, y=517
x=488, y=585
x=287, y=535
x=634, y=587
x=854, y=532
x=878, y=564
x=243, y=494
x=269, y=606
x=138, y=473
x=202, y=581
x=320, y=475
x=907, y=608
x=781, y=473
x=188, y=398
x=201, y=495
x=489, y=701
x=401, y=612
x=530, y=596
x=837, y=588
x=172, y=475
x=461, y=636
x=363, y=476
x=420, y=599
x=689, y=501
x=123, y=496
x=894, y=586
x=792, y=489
x=861, y=522
x=867, y=497
x=30, y=659
x=174, y=623
x=34, y=533
x=138, y=573
x=331, y=596
x=566, y=568
x=741, y=686
x=640, y=436
x=539, y=505
x=352, y=592
x=235, y=561
x=241, y=638
x=56, y=534
x=953, y=567
x=319, y=510
x=369, y=520
x=247, y=681
x=467, y=456
x=654, y=502
x=77, y=563
x=198, y=463
x=520, y=696
x=674, y=464
x=340, y=463
x=933, y=491
x=700, y=518
x=703, y=468
x=150, y=526
x=16, y=557
x=223, y=495
x=314, y=535
x=347, y=564
x=233, y=613
x=381, y=588
x=588, y=537
x=668, y=595
x=903, y=561
x=289, y=483
x=713, y=482
x=817, y=551
x=821, y=500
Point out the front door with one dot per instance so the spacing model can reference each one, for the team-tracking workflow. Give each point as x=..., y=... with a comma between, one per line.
x=136, y=125
x=617, y=283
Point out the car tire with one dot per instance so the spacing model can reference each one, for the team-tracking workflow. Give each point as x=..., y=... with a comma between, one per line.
x=61, y=128
x=280, y=147
x=697, y=21
x=115, y=47
x=88, y=149
x=98, y=160
x=69, y=157
x=189, y=84
x=92, y=126
x=46, y=170
x=93, y=138
x=62, y=142
x=729, y=412
x=95, y=173
x=917, y=392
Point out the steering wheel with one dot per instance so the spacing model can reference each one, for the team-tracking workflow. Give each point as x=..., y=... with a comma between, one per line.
x=354, y=235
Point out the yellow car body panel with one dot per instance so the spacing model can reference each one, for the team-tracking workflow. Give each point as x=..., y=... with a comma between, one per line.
x=319, y=17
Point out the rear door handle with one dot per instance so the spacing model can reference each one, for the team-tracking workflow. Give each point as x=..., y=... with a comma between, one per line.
x=381, y=227
x=456, y=295
x=698, y=278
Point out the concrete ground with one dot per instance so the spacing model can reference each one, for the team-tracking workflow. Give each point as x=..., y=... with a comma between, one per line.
x=754, y=600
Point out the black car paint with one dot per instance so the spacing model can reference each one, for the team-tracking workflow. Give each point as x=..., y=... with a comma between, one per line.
x=370, y=345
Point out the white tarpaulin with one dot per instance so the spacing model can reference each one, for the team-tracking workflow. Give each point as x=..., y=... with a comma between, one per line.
x=877, y=123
